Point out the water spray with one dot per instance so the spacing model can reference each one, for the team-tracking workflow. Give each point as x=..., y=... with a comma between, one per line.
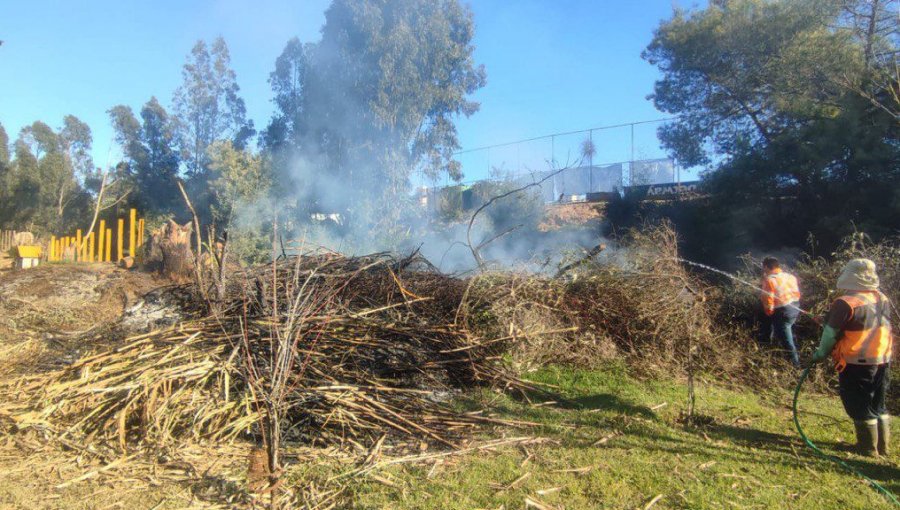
x=741, y=281
x=875, y=485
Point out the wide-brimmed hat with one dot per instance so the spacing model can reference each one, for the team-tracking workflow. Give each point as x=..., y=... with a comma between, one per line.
x=858, y=274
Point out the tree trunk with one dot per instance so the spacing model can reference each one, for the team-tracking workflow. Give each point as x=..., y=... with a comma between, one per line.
x=170, y=251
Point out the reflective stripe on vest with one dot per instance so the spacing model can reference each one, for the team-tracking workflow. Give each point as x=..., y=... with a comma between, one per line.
x=866, y=338
x=786, y=290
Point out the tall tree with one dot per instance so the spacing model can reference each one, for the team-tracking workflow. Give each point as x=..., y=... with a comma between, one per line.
x=4, y=147
x=759, y=88
x=5, y=179
x=207, y=105
x=240, y=178
x=75, y=142
x=743, y=71
x=150, y=150
x=287, y=82
x=876, y=25
x=45, y=180
x=378, y=99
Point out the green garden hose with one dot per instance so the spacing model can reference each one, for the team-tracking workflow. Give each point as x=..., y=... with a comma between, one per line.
x=888, y=494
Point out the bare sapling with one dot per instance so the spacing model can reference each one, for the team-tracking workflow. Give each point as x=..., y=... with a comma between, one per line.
x=99, y=206
x=198, y=269
x=294, y=301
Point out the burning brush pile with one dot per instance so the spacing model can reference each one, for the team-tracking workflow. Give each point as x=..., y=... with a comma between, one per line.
x=320, y=349
x=329, y=350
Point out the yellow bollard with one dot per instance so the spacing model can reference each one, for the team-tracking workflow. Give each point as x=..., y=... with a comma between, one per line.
x=90, y=247
x=141, y=237
x=132, y=231
x=78, y=256
x=108, y=245
x=101, y=236
x=120, y=239
x=51, y=248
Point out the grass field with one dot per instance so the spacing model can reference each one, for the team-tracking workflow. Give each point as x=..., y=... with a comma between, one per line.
x=617, y=442
x=610, y=440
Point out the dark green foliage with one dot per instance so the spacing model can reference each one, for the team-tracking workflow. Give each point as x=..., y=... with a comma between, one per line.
x=207, y=109
x=47, y=183
x=207, y=105
x=775, y=96
x=151, y=157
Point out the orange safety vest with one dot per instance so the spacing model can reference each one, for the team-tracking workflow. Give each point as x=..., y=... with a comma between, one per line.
x=866, y=338
x=780, y=289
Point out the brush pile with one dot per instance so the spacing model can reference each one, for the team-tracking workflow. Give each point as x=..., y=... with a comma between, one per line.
x=324, y=349
x=336, y=349
x=639, y=304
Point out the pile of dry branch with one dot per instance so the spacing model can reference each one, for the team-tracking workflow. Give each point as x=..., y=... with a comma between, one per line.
x=326, y=349
x=638, y=304
x=333, y=349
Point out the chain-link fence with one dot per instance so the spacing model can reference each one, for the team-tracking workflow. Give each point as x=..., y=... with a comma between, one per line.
x=571, y=165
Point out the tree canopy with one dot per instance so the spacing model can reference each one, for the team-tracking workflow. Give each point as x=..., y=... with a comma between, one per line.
x=207, y=105
x=151, y=157
x=774, y=96
x=373, y=101
x=46, y=182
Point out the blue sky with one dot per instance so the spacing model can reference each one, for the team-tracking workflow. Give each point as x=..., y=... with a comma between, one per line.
x=552, y=66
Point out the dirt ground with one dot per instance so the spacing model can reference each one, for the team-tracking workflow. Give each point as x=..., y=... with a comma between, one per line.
x=41, y=308
x=571, y=215
x=47, y=315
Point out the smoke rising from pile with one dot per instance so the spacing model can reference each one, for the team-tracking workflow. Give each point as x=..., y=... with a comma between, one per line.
x=362, y=109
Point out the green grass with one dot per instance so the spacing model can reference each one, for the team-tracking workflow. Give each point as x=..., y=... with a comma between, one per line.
x=749, y=456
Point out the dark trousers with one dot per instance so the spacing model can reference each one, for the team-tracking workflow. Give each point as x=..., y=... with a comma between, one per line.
x=864, y=390
x=780, y=326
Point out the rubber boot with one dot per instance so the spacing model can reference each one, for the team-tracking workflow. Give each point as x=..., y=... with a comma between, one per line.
x=884, y=435
x=867, y=437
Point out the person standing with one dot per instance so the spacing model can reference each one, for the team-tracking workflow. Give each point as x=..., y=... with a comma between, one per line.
x=858, y=336
x=781, y=306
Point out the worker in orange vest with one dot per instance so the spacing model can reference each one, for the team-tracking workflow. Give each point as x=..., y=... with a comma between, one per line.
x=857, y=334
x=781, y=306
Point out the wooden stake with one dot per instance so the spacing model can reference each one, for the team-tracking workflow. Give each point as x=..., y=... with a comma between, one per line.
x=132, y=231
x=90, y=248
x=78, y=247
x=52, y=249
x=101, y=241
x=108, y=256
x=140, y=236
x=120, y=239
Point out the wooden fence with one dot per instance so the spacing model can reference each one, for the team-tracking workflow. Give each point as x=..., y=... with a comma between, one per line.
x=97, y=245
x=7, y=239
